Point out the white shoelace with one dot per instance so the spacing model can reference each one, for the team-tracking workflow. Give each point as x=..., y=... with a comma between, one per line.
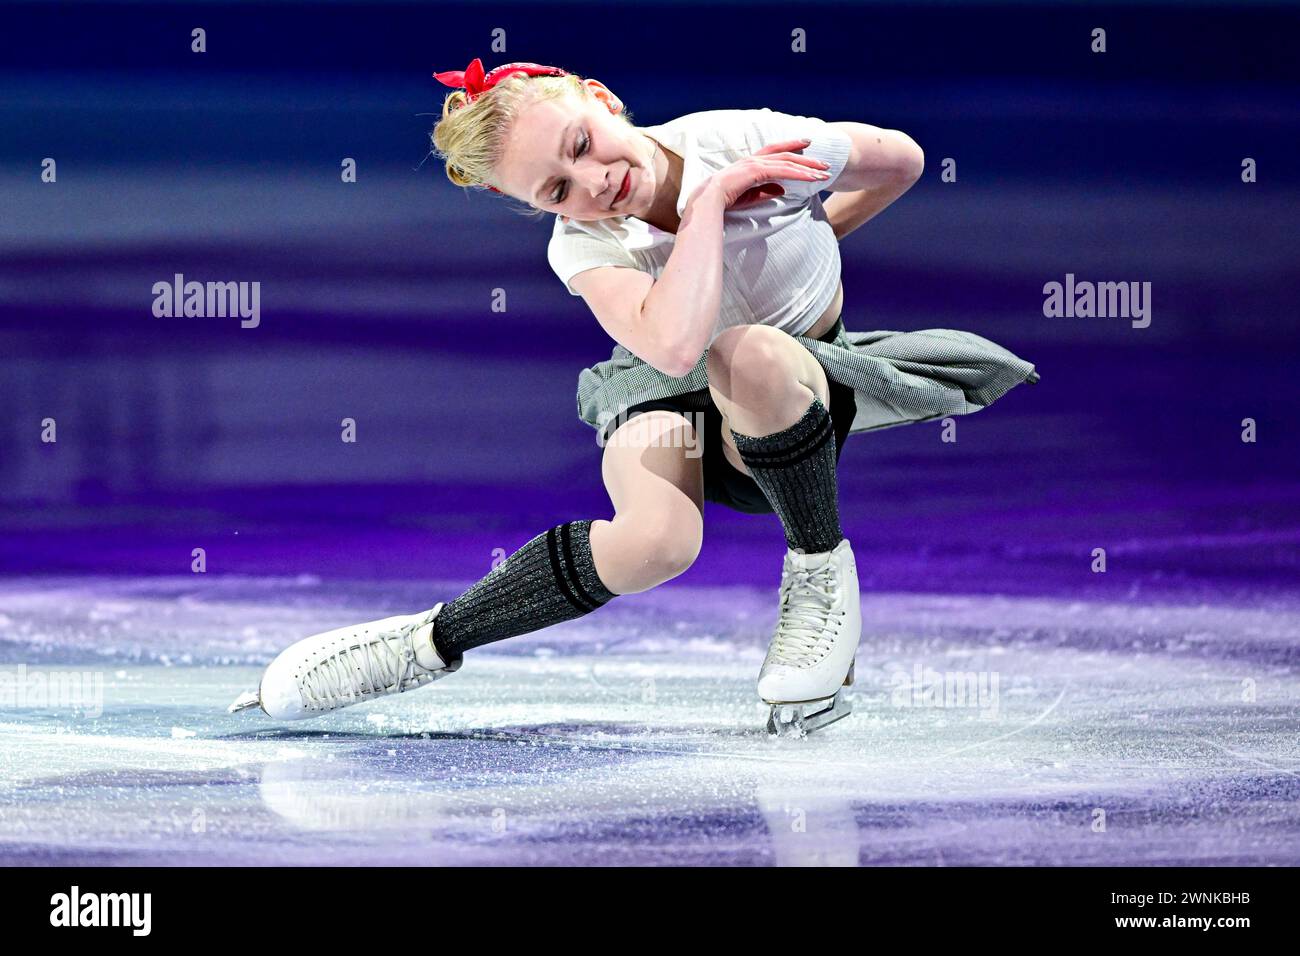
x=375, y=664
x=803, y=632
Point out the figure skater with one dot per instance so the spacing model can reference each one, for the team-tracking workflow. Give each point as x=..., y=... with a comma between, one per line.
x=703, y=248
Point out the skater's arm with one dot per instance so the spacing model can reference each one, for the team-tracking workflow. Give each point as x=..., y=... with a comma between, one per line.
x=879, y=158
x=682, y=307
x=883, y=164
x=667, y=322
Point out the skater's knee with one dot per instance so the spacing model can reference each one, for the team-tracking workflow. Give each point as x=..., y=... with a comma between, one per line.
x=658, y=548
x=756, y=367
x=672, y=551
x=742, y=348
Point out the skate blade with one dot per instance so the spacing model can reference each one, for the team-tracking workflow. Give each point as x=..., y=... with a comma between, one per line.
x=799, y=720
x=245, y=701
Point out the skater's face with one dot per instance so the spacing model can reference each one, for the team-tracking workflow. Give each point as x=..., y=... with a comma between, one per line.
x=572, y=157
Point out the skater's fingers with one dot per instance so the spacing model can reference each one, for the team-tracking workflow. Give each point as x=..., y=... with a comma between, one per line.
x=793, y=166
x=784, y=146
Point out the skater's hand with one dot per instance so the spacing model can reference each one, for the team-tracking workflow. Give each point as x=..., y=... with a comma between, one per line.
x=753, y=179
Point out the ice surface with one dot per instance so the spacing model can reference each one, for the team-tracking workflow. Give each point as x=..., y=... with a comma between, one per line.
x=635, y=736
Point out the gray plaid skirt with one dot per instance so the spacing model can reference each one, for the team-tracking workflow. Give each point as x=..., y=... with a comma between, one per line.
x=897, y=377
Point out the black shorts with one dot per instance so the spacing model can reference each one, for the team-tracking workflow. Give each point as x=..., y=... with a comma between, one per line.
x=722, y=482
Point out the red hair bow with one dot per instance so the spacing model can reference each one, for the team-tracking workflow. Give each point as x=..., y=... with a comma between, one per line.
x=475, y=82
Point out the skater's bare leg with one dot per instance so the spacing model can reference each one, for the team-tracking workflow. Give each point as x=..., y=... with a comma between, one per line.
x=774, y=398
x=558, y=576
x=655, y=483
x=762, y=381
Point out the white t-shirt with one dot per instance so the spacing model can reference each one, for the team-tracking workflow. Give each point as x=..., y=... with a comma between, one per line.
x=781, y=260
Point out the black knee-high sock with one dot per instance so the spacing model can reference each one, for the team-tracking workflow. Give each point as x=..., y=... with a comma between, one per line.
x=796, y=470
x=550, y=579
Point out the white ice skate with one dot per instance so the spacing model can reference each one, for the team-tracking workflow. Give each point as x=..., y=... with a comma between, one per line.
x=349, y=665
x=810, y=660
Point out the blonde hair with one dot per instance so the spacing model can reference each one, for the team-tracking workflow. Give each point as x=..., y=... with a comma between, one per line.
x=471, y=137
